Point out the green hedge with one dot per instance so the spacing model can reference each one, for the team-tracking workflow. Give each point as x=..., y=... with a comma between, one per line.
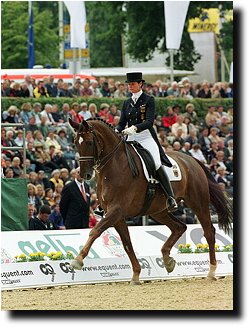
x=201, y=105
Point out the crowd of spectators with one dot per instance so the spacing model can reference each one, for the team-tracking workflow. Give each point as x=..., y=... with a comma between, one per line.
x=103, y=87
x=51, y=157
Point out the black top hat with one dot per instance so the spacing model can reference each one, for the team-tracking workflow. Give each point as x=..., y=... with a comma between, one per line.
x=134, y=77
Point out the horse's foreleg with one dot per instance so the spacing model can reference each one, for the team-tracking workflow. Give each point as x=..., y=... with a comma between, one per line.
x=110, y=219
x=177, y=229
x=122, y=228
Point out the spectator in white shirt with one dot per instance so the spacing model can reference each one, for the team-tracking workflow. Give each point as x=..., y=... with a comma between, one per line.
x=47, y=113
x=179, y=123
x=28, y=82
x=197, y=153
x=95, y=89
x=36, y=112
x=85, y=113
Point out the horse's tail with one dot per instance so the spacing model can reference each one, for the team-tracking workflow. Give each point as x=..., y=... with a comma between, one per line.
x=219, y=200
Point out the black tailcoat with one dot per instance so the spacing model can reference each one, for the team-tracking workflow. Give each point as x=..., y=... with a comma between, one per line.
x=142, y=115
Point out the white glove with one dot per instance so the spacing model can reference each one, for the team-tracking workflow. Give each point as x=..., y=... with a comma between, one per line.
x=130, y=130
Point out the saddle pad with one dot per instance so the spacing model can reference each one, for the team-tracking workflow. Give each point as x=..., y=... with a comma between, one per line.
x=174, y=173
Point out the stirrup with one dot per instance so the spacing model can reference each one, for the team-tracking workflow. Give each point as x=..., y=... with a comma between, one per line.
x=173, y=206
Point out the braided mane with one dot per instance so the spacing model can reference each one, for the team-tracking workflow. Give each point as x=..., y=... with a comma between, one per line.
x=102, y=121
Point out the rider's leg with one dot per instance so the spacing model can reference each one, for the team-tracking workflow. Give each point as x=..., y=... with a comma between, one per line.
x=167, y=188
x=147, y=141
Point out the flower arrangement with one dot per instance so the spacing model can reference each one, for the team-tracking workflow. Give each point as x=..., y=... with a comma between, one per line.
x=184, y=248
x=60, y=256
x=228, y=248
x=203, y=248
x=40, y=256
x=21, y=258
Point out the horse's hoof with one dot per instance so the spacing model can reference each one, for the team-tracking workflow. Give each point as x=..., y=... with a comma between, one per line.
x=170, y=264
x=77, y=264
x=135, y=282
x=213, y=278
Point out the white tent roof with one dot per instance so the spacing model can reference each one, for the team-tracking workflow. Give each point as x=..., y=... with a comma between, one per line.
x=150, y=74
x=146, y=71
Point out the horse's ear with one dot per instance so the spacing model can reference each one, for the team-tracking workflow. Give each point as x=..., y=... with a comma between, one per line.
x=74, y=125
x=86, y=126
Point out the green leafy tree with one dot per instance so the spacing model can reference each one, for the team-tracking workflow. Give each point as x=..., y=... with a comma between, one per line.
x=105, y=24
x=186, y=56
x=143, y=27
x=140, y=24
x=146, y=30
x=14, y=26
x=226, y=37
x=14, y=37
x=145, y=35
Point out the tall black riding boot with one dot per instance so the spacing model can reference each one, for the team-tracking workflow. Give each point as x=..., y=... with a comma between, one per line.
x=166, y=186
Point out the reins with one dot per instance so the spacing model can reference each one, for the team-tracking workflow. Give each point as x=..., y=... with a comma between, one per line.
x=101, y=163
x=98, y=162
x=131, y=161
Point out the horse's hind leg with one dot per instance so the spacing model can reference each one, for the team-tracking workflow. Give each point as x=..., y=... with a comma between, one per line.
x=122, y=228
x=177, y=229
x=209, y=233
x=203, y=213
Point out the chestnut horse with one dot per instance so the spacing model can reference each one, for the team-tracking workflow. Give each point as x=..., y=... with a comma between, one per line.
x=121, y=195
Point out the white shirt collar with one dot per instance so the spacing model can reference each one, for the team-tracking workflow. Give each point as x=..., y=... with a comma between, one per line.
x=136, y=95
x=79, y=184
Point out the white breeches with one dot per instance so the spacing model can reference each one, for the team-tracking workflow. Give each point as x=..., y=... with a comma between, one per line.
x=147, y=141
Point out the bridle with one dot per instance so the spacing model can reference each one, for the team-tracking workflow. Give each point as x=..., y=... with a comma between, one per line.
x=97, y=149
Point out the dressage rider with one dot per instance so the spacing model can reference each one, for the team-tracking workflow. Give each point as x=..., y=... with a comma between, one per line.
x=139, y=112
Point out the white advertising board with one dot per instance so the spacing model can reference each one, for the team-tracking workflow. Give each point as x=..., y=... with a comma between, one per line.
x=146, y=240
x=54, y=273
x=107, y=260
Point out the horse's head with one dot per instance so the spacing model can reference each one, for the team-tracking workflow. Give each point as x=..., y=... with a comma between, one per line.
x=84, y=141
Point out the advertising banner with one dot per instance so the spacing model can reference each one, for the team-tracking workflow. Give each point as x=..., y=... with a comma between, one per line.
x=194, y=265
x=54, y=273
x=107, y=260
x=146, y=241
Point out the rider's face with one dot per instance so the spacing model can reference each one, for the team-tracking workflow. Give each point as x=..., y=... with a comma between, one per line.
x=134, y=87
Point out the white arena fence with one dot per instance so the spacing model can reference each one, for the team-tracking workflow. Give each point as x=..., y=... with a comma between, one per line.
x=107, y=260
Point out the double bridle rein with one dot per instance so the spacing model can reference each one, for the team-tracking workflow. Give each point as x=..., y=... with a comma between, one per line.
x=98, y=161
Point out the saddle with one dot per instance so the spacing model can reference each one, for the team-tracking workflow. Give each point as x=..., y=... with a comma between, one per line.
x=147, y=158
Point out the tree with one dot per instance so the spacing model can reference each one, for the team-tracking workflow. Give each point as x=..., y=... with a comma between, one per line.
x=140, y=24
x=14, y=36
x=146, y=29
x=14, y=26
x=143, y=27
x=105, y=30
x=187, y=56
